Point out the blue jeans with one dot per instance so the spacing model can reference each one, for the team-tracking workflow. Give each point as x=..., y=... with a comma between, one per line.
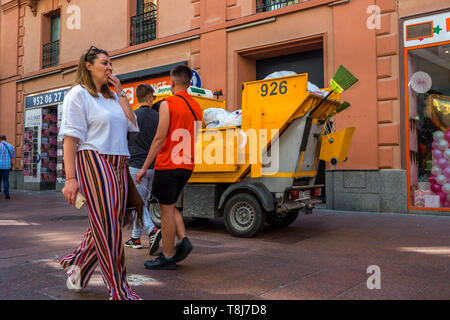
x=144, y=189
x=4, y=176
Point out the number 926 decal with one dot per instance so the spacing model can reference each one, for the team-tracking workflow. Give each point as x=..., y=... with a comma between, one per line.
x=273, y=88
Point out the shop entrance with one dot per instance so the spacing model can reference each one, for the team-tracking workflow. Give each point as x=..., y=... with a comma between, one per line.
x=310, y=62
x=427, y=101
x=40, y=148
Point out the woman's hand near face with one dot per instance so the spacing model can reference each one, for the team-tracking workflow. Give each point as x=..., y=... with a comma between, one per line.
x=129, y=113
x=113, y=80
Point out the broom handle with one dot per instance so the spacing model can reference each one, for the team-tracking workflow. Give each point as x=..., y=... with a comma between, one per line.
x=318, y=105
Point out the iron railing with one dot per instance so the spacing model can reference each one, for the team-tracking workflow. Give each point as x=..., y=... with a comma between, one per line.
x=269, y=5
x=143, y=27
x=50, y=54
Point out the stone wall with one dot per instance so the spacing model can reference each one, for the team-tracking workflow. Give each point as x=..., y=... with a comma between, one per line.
x=372, y=190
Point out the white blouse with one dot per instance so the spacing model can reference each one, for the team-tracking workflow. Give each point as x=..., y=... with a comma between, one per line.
x=99, y=123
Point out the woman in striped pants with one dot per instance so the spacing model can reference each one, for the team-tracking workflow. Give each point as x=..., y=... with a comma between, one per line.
x=94, y=126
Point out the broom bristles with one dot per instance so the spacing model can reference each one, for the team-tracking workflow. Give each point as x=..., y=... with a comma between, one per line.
x=343, y=78
x=342, y=107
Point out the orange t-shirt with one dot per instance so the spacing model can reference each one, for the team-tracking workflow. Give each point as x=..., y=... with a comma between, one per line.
x=178, y=149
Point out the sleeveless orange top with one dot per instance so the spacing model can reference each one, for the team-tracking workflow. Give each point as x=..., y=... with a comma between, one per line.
x=178, y=149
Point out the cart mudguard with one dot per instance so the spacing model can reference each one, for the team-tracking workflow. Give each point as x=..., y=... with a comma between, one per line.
x=258, y=189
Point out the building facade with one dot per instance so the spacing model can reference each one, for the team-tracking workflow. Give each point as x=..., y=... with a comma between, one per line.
x=228, y=42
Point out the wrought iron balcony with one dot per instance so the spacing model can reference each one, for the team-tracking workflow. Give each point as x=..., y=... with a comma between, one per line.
x=269, y=5
x=143, y=27
x=50, y=54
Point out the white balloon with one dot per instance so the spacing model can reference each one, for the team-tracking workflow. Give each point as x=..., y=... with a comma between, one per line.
x=441, y=179
x=442, y=144
x=446, y=188
x=438, y=135
x=436, y=171
x=447, y=154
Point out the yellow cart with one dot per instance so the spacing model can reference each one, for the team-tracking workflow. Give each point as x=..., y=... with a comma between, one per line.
x=264, y=170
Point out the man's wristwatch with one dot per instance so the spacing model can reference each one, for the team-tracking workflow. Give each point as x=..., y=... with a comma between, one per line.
x=122, y=93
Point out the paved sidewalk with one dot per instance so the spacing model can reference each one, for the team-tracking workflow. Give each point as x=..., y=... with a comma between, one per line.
x=321, y=256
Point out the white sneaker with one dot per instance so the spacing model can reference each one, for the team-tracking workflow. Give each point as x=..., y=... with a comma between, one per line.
x=76, y=275
x=72, y=286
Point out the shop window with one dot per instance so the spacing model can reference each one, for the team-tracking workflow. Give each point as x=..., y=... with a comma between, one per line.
x=143, y=24
x=269, y=5
x=51, y=37
x=428, y=96
x=40, y=146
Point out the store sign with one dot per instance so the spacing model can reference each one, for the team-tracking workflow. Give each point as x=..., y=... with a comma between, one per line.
x=130, y=88
x=46, y=98
x=427, y=30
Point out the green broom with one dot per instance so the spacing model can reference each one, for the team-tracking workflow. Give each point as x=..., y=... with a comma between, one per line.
x=344, y=105
x=341, y=81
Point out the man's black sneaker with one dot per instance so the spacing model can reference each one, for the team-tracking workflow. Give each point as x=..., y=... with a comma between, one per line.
x=134, y=243
x=161, y=263
x=153, y=239
x=7, y=196
x=182, y=249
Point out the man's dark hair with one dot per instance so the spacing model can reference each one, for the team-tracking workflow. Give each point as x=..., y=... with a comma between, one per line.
x=143, y=92
x=2, y=137
x=181, y=74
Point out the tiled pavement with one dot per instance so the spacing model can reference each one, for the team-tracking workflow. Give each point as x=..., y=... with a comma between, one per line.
x=321, y=256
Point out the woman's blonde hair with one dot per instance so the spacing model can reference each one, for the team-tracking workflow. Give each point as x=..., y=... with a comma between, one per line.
x=84, y=77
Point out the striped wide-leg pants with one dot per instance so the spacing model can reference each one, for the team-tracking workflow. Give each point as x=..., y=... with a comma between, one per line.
x=103, y=181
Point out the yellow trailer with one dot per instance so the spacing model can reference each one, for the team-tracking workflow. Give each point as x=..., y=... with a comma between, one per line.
x=264, y=170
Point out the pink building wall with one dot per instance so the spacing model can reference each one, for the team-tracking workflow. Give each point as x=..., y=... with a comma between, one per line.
x=216, y=38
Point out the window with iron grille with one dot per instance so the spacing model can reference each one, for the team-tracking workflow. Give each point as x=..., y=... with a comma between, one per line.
x=269, y=5
x=143, y=25
x=50, y=50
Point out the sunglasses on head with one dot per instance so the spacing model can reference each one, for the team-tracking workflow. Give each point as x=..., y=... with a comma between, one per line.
x=92, y=48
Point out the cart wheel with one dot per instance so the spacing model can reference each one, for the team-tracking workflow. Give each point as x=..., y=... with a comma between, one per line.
x=243, y=215
x=155, y=215
x=281, y=219
x=334, y=161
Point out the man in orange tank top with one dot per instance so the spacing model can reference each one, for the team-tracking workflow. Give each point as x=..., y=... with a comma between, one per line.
x=173, y=148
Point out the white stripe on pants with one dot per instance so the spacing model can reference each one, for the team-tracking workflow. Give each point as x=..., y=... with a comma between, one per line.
x=144, y=189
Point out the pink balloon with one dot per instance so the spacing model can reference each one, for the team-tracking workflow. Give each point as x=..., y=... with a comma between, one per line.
x=437, y=154
x=445, y=172
x=442, y=163
x=447, y=136
x=432, y=179
x=442, y=195
x=434, y=145
x=436, y=187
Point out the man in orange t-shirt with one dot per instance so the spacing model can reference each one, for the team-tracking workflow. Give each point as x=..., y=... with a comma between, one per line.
x=173, y=148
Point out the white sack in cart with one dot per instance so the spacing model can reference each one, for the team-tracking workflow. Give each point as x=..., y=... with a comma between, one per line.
x=215, y=117
x=234, y=119
x=311, y=87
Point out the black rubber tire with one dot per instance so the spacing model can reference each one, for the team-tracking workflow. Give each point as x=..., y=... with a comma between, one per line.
x=281, y=220
x=243, y=215
x=155, y=215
